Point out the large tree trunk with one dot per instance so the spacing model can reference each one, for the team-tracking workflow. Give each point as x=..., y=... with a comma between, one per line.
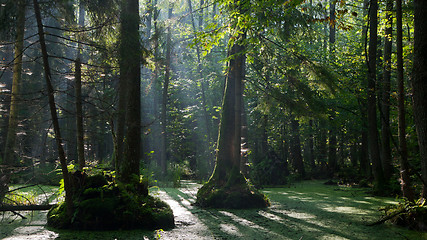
x=234, y=191
x=419, y=83
x=130, y=70
x=385, y=95
x=9, y=158
x=52, y=107
x=374, y=148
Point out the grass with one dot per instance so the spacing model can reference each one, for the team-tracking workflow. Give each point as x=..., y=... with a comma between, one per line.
x=306, y=210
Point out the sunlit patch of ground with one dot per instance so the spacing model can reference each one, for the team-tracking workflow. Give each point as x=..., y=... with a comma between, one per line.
x=307, y=210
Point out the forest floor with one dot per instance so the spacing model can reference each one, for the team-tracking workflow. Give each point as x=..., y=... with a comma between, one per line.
x=305, y=210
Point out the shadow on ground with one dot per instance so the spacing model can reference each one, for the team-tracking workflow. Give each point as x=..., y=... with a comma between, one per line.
x=307, y=210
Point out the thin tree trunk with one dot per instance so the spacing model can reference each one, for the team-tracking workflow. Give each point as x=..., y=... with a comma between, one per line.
x=78, y=92
x=310, y=146
x=295, y=149
x=9, y=152
x=163, y=152
x=385, y=96
x=419, y=84
x=332, y=146
x=52, y=106
x=157, y=87
x=206, y=115
x=79, y=115
x=374, y=147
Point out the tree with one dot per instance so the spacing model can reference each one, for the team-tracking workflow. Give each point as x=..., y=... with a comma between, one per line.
x=419, y=84
x=9, y=158
x=405, y=177
x=163, y=150
x=130, y=59
x=78, y=97
x=372, y=103
x=52, y=107
x=385, y=94
x=227, y=186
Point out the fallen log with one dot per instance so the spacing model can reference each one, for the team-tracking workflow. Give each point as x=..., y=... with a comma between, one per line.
x=386, y=218
x=12, y=208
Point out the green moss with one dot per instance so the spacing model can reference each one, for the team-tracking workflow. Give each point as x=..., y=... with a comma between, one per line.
x=57, y=218
x=102, y=205
x=238, y=196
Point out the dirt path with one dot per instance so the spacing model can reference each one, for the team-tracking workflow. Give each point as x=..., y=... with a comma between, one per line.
x=307, y=210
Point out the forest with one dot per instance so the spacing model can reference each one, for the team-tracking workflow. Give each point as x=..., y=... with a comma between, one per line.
x=213, y=119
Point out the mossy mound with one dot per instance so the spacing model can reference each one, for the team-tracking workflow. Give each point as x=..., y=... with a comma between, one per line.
x=238, y=196
x=103, y=205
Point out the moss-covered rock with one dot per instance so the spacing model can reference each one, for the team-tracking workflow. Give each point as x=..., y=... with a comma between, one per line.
x=103, y=205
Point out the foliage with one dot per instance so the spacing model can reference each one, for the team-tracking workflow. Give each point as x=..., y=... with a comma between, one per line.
x=412, y=215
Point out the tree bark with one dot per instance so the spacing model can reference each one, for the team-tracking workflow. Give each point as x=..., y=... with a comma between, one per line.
x=52, y=107
x=405, y=177
x=164, y=140
x=374, y=147
x=385, y=94
x=130, y=54
x=295, y=149
x=419, y=83
x=203, y=86
x=332, y=146
x=9, y=158
x=310, y=146
x=78, y=92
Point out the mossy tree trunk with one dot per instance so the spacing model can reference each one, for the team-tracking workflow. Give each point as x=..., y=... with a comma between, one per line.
x=227, y=186
x=419, y=83
x=228, y=155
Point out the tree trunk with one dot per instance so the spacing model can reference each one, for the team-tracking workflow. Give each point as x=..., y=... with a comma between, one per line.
x=419, y=83
x=295, y=149
x=385, y=95
x=130, y=72
x=374, y=147
x=405, y=177
x=52, y=106
x=332, y=147
x=9, y=158
x=78, y=92
x=332, y=30
x=310, y=146
x=79, y=115
x=207, y=117
x=164, y=140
